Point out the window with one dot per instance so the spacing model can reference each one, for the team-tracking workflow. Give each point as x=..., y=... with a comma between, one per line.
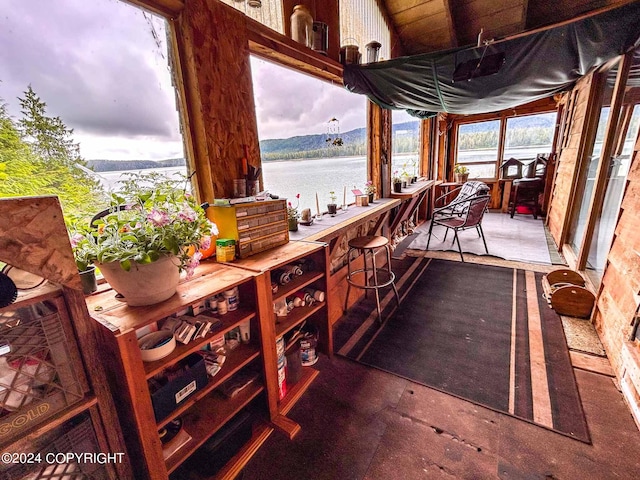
x=99, y=80
x=478, y=148
x=525, y=136
x=594, y=216
x=405, y=143
x=312, y=135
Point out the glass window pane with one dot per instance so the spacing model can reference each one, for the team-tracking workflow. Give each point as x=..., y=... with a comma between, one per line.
x=478, y=142
x=529, y=135
x=100, y=86
x=606, y=222
x=312, y=135
x=405, y=144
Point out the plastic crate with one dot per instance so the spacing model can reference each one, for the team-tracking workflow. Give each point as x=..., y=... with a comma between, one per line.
x=76, y=436
x=37, y=373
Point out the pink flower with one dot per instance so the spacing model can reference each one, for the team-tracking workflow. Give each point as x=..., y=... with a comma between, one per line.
x=158, y=218
x=187, y=214
x=205, y=243
x=193, y=262
x=76, y=239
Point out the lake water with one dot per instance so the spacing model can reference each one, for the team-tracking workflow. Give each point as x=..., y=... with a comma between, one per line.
x=288, y=178
x=310, y=176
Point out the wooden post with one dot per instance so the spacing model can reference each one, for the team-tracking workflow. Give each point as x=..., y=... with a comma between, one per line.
x=214, y=54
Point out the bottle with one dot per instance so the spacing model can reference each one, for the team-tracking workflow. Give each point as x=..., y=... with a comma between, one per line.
x=302, y=25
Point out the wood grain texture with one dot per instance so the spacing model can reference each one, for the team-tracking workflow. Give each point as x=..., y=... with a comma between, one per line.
x=33, y=237
x=216, y=54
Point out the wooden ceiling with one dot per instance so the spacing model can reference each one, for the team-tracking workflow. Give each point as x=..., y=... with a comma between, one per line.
x=430, y=25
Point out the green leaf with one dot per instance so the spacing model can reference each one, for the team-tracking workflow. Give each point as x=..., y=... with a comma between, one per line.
x=126, y=265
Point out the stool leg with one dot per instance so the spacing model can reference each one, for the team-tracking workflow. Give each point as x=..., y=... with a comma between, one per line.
x=393, y=283
x=375, y=283
x=366, y=271
x=346, y=300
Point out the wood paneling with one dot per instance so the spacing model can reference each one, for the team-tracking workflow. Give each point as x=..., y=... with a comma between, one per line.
x=215, y=60
x=22, y=221
x=545, y=12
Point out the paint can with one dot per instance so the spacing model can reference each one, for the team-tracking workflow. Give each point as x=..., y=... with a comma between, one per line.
x=308, y=344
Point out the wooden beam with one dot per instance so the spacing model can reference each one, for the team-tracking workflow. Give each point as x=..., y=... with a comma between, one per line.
x=271, y=45
x=600, y=187
x=165, y=8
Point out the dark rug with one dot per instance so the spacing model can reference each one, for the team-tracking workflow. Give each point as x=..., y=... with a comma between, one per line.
x=485, y=334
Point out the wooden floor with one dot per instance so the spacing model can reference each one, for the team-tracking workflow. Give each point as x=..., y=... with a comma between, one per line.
x=361, y=423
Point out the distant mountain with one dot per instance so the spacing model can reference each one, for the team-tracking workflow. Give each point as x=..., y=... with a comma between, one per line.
x=117, y=165
x=354, y=142
x=526, y=121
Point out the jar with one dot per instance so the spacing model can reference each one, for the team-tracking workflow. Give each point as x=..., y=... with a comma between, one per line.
x=232, y=299
x=225, y=250
x=302, y=25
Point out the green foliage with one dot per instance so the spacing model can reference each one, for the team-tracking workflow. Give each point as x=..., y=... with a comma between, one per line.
x=151, y=217
x=39, y=157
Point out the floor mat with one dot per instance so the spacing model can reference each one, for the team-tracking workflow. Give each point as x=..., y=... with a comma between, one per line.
x=482, y=333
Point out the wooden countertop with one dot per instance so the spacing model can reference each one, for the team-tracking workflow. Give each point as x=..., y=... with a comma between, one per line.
x=414, y=189
x=331, y=227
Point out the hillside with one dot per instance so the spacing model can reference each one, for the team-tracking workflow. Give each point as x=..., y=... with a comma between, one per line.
x=117, y=165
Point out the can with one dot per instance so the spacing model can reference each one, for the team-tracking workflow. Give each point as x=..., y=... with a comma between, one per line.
x=225, y=250
x=320, y=41
x=231, y=299
x=308, y=344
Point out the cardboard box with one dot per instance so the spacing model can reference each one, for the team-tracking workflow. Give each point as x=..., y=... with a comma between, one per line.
x=193, y=377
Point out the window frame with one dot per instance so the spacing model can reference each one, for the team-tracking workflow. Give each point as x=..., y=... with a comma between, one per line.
x=578, y=259
x=526, y=110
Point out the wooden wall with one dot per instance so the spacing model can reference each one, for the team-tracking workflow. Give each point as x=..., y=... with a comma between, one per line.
x=213, y=51
x=577, y=106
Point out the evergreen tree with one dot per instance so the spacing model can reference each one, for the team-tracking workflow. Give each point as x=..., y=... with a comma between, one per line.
x=39, y=157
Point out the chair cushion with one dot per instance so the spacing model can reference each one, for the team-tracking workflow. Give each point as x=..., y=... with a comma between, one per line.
x=368, y=241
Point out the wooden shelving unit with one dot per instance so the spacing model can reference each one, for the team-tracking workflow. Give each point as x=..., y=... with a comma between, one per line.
x=204, y=411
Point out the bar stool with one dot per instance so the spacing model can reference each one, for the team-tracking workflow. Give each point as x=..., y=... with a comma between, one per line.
x=369, y=244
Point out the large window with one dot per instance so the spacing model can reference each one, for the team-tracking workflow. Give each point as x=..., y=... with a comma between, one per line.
x=312, y=135
x=405, y=143
x=479, y=144
x=86, y=93
x=602, y=178
x=478, y=148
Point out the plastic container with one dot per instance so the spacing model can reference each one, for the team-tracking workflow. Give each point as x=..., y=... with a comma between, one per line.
x=231, y=296
x=225, y=250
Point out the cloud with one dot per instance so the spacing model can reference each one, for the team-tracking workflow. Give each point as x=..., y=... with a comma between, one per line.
x=289, y=103
x=95, y=64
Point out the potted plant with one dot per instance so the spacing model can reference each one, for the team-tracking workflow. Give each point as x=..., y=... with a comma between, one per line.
x=292, y=214
x=370, y=189
x=142, y=242
x=414, y=166
x=397, y=182
x=83, y=255
x=333, y=206
x=460, y=173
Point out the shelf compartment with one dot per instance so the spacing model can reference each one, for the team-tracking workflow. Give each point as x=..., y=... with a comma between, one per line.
x=211, y=413
x=240, y=357
x=296, y=284
x=229, y=321
x=210, y=279
x=296, y=316
x=294, y=393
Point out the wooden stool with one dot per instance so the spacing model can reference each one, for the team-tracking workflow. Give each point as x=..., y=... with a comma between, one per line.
x=369, y=244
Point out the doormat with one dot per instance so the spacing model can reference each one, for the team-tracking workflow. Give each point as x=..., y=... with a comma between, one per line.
x=485, y=334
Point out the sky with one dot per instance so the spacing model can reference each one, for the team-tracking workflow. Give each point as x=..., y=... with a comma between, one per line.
x=101, y=66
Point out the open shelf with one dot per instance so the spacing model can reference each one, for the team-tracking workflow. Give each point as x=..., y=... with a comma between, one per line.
x=295, y=392
x=205, y=418
x=296, y=284
x=238, y=358
x=295, y=316
x=229, y=321
x=210, y=279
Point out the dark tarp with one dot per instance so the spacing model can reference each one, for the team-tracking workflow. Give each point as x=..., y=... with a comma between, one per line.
x=537, y=65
